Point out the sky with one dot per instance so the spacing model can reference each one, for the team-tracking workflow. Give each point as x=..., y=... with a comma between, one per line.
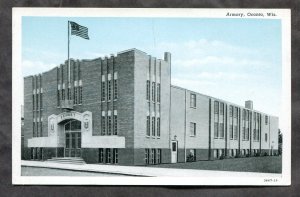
x=231, y=59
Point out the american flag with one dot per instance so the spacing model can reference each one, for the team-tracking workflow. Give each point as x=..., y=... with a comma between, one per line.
x=79, y=30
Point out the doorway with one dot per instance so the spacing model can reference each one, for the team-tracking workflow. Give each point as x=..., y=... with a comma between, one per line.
x=174, y=152
x=73, y=138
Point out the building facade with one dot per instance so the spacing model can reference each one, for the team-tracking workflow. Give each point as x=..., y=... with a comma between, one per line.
x=123, y=110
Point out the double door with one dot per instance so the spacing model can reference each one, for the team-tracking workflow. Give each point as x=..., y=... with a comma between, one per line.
x=73, y=144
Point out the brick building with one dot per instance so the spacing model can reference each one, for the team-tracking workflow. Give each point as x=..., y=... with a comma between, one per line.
x=123, y=110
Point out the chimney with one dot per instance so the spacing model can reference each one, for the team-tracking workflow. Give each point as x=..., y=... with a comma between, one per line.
x=167, y=57
x=249, y=104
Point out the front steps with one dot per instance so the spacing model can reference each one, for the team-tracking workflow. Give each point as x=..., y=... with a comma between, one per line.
x=67, y=160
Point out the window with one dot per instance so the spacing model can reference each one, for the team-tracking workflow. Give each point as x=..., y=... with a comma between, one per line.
x=37, y=129
x=33, y=129
x=33, y=103
x=41, y=125
x=63, y=94
x=109, y=90
x=158, y=92
x=247, y=134
x=37, y=102
x=235, y=132
x=148, y=90
x=115, y=124
x=101, y=154
x=244, y=114
x=80, y=95
x=158, y=127
x=153, y=91
x=235, y=113
x=244, y=133
x=216, y=107
x=108, y=156
x=216, y=127
x=115, y=89
x=103, y=91
x=193, y=100
x=109, y=125
x=230, y=111
x=58, y=98
x=158, y=156
x=69, y=93
x=222, y=108
x=266, y=137
x=192, y=129
x=153, y=126
x=231, y=131
x=103, y=125
x=146, y=156
x=266, y=120
x=115, y=156
x=75, y=95
x=41, y=100
x=153, y=156
x=221, y=134
x=148, y=126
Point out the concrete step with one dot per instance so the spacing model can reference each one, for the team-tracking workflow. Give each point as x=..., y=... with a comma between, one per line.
x=67, y=160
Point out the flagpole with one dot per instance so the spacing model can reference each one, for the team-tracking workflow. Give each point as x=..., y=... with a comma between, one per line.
x=69, y=71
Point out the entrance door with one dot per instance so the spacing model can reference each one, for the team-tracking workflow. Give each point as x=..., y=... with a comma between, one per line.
x=174, y=152
x=73, y=144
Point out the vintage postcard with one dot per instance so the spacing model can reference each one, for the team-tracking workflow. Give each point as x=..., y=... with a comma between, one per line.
x=151, y=96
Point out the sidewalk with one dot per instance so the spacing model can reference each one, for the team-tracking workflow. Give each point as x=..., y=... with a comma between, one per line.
x=137, y=170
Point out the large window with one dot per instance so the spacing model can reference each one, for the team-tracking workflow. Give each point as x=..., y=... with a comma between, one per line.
x=109, y=90
x=148, y=91
x=153, y=126
x=235, y=132
x=73, y=125
x=231, y=132
x=80, y=95
x=216, y=128
x=148, y=126
x=158, y=156
x=109, y=125
x=101, y=155
x=221, y=131
x=230, y=110
x=266, y=119
x=158, y=92
x=103, y=131
x=158, y=127
x=147, y=156
x=153, y=91
x=222, y=108
x=108, y=156
x=192, y=129
x=266, y=137
x=193, y=100
x=58, y=98
x=115, y=156
x=103, y=91
x=216, y=107
x=115, y=89
x=115, y=124
x=75, y=95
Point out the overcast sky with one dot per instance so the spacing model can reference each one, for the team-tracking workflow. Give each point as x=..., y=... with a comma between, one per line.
x=231, y=59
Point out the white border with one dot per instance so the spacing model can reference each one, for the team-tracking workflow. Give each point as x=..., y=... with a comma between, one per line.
x=228, y=179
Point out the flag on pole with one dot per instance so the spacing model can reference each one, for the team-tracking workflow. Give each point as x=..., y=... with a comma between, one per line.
x=79, y=30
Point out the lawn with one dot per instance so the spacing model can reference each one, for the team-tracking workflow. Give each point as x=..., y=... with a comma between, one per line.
x=267, y=164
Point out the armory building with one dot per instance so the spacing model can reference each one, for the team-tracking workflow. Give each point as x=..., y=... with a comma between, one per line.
x=123, y=110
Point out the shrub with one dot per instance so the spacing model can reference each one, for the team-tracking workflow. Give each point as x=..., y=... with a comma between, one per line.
x=190, y=158
x=265, y=154
x=222, y=157
x=247, y=155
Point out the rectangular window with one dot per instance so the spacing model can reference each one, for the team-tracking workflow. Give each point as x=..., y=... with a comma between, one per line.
x=152, y=156
x=231, y=131
x=247, y=134
x=146, y=156
x=254, y=134
x=109, y=90
x=230, y=111
x=158, y=92
x=33, y=129
x=244, y=114
x=115, y=156
x=115, y=89
x=115, y=125
x=148, y=126
x=63, y=94
x=108, y=156
x=103, y=91
x=58, y=98
x=244, y=133
x=101, y=155
x=221, y=134
x=192, y=129
x=148, y=91
x=216, y=107
x=75, y=95
x=222, y=108
x=158, y=127
x=266, y=137
x=41, y=100
x=109, y=125
x=235, y=132
x=69, y=94
x=216, y=127
x=153, y=91
x=193, y=100
x=33, y=107
x=266, y=120
x=41, y=128
x=80, y=95
x=235, y=113
x=37, y=101
x=153, y=126
x=158, y=156
x=103, y=126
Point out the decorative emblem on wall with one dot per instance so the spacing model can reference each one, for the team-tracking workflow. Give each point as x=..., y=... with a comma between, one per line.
x=86, y=121
x=51, y=126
